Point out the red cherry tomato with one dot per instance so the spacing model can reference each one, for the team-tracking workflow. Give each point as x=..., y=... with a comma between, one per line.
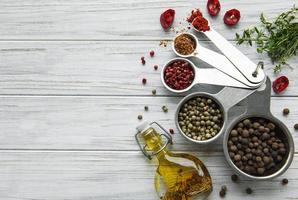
x=232, y=17
x=280, y=84
x=213, y=7
x=167, y=18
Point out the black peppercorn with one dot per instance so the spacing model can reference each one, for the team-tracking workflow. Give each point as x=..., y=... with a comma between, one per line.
x=296, y=126
x=140, y=117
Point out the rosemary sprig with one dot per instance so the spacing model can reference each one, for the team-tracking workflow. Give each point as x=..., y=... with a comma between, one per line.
x=279, y=39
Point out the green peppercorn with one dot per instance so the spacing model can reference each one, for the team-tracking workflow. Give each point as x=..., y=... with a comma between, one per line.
x=154, y=91
x=146, y=108
x=222, y=193
x=165, y=109
x=140, y=117
x=224, y=188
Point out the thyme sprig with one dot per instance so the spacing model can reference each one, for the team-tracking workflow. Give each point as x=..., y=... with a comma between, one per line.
x=279, y=39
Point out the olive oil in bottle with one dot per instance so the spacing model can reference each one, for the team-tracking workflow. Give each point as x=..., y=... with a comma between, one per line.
x=179, y=176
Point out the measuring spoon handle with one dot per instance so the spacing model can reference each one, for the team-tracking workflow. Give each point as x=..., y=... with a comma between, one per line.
x=243, y=63
x=221, y=63
x=214, y=77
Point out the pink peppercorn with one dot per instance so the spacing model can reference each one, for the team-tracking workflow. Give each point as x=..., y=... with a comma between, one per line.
x=143, y=60
x=151, y=53
x=179, y=75
x=144, y=81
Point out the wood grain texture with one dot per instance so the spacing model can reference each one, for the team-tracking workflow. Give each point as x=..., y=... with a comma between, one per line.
x=99, y=123
x=116, y=175
x=116, y=20
x=97, y=68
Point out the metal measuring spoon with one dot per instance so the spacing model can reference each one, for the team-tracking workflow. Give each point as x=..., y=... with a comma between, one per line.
x=218, y=61
x=203, y=76
x=248, y=69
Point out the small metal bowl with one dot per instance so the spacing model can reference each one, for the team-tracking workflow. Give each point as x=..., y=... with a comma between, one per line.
x=163, y=74
x=206, y=95
x=284, y=134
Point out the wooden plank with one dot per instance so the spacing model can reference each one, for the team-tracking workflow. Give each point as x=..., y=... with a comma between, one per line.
x=102, y=20
x=116, y=175
x=99, y=123
x=96, y=68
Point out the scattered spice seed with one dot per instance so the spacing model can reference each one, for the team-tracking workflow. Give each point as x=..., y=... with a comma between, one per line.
x=234, y=178
x=171, y=131
x=143, y=60
x=296, y=127
x=286, y=111
x=164, y=108
x=140, y=117
x=155, y=67
x=222, y=193
x=144, y=81
x=248, y=190
x=224, y=188
x=285, y=181
x=146, y=108
x=154, y=91
x=151, y=53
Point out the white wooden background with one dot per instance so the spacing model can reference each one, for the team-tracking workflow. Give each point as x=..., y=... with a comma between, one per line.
x=70, y=93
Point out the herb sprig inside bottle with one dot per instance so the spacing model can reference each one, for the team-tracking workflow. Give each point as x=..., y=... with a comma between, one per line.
x=278, y=38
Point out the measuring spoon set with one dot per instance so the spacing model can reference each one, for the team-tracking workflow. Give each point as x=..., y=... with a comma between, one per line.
x=231, y=68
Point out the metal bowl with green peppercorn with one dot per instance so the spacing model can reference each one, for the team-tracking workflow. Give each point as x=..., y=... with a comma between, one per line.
x=200, y=118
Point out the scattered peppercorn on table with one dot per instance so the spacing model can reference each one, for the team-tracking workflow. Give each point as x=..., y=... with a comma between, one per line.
x=74, y=87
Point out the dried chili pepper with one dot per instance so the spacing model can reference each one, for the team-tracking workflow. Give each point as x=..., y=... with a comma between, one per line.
x=201, y=24
x=167, y=18
x=232, y=17
x=213, y=7
x=280, y=84
x=194, y=13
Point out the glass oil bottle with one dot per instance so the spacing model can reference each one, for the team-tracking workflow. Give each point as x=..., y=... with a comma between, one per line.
x=179, y=176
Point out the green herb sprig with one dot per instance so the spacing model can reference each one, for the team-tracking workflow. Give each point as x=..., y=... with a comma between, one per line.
x=278, y=38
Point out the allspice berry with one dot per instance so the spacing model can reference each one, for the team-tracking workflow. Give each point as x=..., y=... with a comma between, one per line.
x=285, y=181
x=286, y=111
x=248, y=190
x=234, y=178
